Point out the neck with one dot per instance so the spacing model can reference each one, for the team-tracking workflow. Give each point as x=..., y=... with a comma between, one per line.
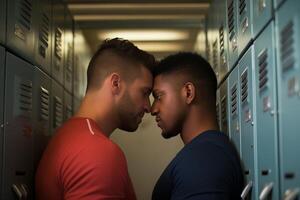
x=101, y=114
x=198, y=122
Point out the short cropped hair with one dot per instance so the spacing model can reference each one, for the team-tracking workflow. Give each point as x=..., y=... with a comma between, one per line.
x=128, y=57
x=194, y=68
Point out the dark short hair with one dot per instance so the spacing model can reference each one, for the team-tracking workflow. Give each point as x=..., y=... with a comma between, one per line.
x=124, y=50
x=194, y=67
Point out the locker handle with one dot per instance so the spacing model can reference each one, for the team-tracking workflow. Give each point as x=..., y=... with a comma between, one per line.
x=246, y=190
x=292, y=194
x=17, y=191
x=266, y=191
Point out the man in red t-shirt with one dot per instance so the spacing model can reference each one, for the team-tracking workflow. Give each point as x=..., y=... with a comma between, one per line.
x=81, y=162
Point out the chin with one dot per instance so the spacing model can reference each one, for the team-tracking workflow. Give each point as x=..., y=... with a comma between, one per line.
x=168, y=135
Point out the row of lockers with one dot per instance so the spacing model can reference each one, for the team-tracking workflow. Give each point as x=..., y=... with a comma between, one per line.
x=34, y=105
x=259, y=107
x=41, y=32
x=233, y=27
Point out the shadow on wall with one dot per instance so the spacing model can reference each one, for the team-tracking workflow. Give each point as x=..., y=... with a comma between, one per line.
x=147, y=153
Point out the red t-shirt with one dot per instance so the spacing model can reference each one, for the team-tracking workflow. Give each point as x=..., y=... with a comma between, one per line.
x=81, y=162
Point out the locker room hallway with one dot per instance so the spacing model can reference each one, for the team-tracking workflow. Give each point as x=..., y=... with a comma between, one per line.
x=253, y=47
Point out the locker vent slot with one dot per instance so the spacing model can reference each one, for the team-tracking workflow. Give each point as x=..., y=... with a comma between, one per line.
x=25, y=98
x=242, y=7
x=69, y=67
x=69, y=111
x=58, y=112
x=244, y=86
x=25, y=13
x=44, y=104
x=215, y=55
x=221, y=36
x=208, y=52
x=224, y=112
x=58, y=43
x=218, y=110
x=234, y=100
x=44, y=35
x=263, y=70
x=231, y=19
x=287, y=48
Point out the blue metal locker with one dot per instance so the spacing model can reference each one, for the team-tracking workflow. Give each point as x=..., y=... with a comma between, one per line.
x=214, y=39
x=2, y=21
x=69, y=45
x=277, y=3
x=2, y=68
x=262, y=14
x=266, y=118
x=42, y=49
x=232, y=27
x=57, y=106
x=57, y=68
x=223, y=104
x=247, y=114
x=68, y=105
x=18, y=172
x=20, y=27
x=288, y=43
x=218, y=107
x=223, y=39
x=245, y=24
x=76, y=104
x=42, y=113
x=233, y=109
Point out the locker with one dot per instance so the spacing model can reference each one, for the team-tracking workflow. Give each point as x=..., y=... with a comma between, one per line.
x=2, y=68
x=2, y=21
x=68, y=106
x=277, y=3
x=287, y=32
x=266, y=121
x=223, y=39
x=223, y=105
x=76, y=104
x=233, y=109
x=68, y=66
x=245, y=24
x=232, y=22
x=20, y=27
x=76, y=83
x=247, y=114
x=42, y=113
x=57, y=68
x=57, y=106
x=42, y=49
x=218, y=108
x=262, y=14
x=18, y=172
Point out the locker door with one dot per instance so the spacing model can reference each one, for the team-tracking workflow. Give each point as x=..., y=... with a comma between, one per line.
x=266, y=120
x=41, y=114
x=218, y=108
x=288, y=31
x=277, y=3
x=42, y=51
x=58, y=41
x=18, y=131
x=57, y=106
x=20, y=29
x=247, y=114
x=233, y=110
x=2, y=66
x=215, y=39
x=68, y=106
x=245, y=30
x=232, y=22
x=2, y=21
x=223, y=39
x=68, y=71
x=262, y=13
x=223, y=103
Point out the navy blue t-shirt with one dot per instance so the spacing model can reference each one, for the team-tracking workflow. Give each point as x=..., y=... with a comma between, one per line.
x=207, y=168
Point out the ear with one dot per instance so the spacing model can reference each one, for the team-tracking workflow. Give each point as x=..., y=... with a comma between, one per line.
x=189, y=92
x=115, y=83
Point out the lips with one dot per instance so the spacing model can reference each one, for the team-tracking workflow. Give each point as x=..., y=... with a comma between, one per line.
x=158, y=121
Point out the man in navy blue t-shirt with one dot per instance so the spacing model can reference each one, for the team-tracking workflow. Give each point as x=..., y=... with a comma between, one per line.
x=208, y=167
